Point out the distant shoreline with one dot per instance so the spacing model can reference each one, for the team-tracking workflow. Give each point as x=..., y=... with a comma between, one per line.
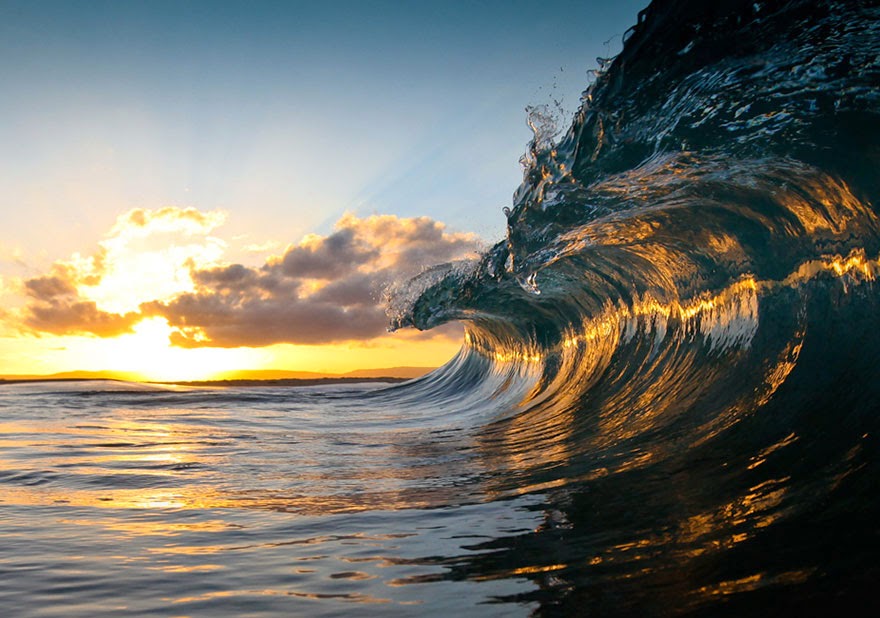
x=242, y=382
x=282, y=381
x=35, y=380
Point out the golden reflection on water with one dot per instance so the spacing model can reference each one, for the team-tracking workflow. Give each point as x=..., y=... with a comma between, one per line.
x=196, y=497
x=354, y=597
x=755, y=581
x=743, y=518
x=119, y=461
x=113, y=448
x=540, y=439
x=831, y=205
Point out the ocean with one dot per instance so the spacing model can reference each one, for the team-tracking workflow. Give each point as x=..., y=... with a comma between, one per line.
x=665, y=404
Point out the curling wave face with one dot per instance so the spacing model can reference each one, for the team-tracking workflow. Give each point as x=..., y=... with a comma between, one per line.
x=683, y=313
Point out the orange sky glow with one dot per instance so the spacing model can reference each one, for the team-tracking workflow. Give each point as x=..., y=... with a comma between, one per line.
x=168, y=294
x=165, y=163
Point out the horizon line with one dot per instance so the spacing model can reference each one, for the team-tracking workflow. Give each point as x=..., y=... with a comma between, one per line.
x=399, y=372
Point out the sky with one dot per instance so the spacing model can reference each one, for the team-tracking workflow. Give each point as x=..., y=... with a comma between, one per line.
x=189, y=188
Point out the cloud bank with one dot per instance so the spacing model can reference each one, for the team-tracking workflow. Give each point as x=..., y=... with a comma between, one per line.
x=324, y=289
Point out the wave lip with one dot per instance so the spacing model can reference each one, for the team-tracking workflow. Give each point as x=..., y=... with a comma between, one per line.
x=725, y=144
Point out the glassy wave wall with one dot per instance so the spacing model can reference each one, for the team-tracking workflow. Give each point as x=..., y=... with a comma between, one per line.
x=678, y=339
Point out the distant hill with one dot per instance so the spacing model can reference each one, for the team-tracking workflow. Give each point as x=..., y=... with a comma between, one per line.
x=391, y=372
x=249, y=375
x=281, y=374
x=269, y=374
x=77, y=375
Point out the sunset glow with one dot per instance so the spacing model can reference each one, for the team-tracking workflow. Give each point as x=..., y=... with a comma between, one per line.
x=156, y=299
x=190, y=192
x=147, y=352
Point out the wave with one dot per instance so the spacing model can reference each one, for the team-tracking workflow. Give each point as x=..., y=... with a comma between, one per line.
x=680, y=327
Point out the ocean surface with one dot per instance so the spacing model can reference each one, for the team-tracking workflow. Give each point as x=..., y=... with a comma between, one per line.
x=666, y=401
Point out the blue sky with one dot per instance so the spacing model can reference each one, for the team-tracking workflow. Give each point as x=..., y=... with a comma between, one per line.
x=165, y=165
x=283, y=114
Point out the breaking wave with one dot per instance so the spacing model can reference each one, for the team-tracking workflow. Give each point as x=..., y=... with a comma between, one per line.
x=679, y=333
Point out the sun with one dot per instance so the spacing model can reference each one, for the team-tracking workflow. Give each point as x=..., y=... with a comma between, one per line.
x=147, y=352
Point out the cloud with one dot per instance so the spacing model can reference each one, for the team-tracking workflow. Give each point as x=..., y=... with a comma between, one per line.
x=50, y=287
x=147, y=255
x=210, y=320
x=322, y=290
x=79, y=317
x=56, y=307
x=263, y=247
x=164, y=263
x=328, y=257
x=170, y=219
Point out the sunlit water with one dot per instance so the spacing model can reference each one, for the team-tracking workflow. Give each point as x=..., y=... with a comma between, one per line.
x=121, y=499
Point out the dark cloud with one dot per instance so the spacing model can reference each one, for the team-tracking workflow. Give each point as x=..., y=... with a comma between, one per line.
x=235, y=275
x=357, y=289
x=329, y=257
x=345, y=271
x=57, y=308
x=237, y=280
x=49, y=287
x=324, y=290
x=78, y=317
x=257, y=323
